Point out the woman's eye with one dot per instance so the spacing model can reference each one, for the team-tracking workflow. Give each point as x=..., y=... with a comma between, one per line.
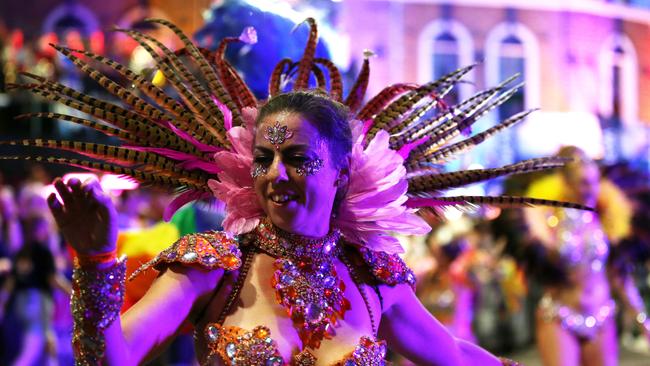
x=264, y=160
x=298, y=159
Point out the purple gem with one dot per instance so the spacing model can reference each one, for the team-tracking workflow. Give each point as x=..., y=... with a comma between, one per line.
x=313, y=313
x=213, y=333
x=274, y=361
x=286, y=279
x=209, y=259
x=329, y=281
x=231, y=350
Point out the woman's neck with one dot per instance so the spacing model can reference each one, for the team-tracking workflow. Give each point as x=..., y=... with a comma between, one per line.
x=314, y=231
x=282, y=243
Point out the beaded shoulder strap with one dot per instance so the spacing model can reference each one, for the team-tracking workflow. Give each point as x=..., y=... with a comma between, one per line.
x=387, y=268
x=209, y=250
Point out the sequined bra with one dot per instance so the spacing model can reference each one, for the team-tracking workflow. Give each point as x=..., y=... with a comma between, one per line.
x=237, y=346
x=233, y=345
x=581, y=240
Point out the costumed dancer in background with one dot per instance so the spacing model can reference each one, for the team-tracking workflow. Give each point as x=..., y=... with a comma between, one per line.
x=305, y=272
x=448, y=292
x=31, y=284
x=575, y=321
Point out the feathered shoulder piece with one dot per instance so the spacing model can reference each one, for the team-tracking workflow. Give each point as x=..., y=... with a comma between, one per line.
x=200, y=143
x=208, y=250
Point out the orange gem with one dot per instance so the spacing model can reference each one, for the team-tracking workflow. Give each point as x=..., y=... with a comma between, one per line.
x=366, y=342
x=230, y=261
x=261, y=333
x=382, y=273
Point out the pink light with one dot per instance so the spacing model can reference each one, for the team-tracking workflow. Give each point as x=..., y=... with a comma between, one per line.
x=112, y=182
x=82, y=177
x=47, y=190
x=97, y=42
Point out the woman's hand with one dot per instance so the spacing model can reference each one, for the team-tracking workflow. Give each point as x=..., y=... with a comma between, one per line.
x=85, y=215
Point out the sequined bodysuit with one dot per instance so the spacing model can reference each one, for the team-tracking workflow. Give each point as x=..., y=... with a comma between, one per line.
x=583, y=248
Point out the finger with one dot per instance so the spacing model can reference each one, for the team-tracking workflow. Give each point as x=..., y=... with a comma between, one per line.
x=94, y=192
x=75, y=187
x=56, y=208
x=63, y=191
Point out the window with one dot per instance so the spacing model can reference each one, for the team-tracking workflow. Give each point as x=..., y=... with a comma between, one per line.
x=511, y=48
x=444, y=46
x=618, y=81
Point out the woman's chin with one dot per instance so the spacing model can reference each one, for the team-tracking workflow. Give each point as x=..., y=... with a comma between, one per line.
x=283, y=217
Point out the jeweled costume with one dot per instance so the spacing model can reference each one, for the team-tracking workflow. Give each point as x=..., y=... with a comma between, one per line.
x=306, y=286
x=202, y=146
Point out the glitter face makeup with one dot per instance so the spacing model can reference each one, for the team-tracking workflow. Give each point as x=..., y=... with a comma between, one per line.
x=259, y=170
x=310, y=167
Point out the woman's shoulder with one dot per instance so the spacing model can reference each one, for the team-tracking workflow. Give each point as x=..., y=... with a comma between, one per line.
x=206, y=250
x=384, y=268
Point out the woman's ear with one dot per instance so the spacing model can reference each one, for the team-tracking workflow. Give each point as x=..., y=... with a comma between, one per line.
x=342, y=182
x=343, y=177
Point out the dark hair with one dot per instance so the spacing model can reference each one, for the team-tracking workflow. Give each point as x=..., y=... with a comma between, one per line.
x=330, y=118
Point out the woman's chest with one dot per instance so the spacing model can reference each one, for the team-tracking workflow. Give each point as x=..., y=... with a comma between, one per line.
x=332, y=324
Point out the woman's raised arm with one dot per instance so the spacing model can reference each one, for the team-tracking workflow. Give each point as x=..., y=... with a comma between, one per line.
x=87, y=219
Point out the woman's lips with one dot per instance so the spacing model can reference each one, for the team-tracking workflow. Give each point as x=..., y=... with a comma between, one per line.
x=281, y=198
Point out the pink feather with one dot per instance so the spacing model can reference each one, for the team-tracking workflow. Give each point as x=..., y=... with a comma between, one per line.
x=227, y=114
x=187, y=137
x=206, y=166
x=429, y=202
x=235, y=184
x=187, y=161
x=181, y=200
x=405, y=150
x=169, y=153
x=367, y=125
x=376, y=195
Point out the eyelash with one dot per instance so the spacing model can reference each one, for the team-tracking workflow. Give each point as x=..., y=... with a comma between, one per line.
x=297, y=160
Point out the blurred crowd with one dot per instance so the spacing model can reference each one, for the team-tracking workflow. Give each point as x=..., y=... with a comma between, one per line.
x=21, y=57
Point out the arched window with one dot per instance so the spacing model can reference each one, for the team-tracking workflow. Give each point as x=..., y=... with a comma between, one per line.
x=618, y=81
x=511, y=48
x=618, y=102
x=444, y=46
x=71, y=17
x=512, y=61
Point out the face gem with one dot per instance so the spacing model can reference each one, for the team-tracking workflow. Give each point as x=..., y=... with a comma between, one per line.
x=277, y=134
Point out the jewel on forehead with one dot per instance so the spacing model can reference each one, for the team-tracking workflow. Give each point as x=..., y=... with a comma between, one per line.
x=277, y=134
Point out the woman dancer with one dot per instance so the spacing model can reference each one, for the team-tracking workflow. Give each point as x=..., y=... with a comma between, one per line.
x=305, y=272
x=576, y=315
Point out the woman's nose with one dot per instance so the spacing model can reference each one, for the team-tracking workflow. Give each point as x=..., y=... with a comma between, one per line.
x=278, y=171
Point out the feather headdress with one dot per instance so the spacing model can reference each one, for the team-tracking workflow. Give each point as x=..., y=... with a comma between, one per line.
x=200, y=145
